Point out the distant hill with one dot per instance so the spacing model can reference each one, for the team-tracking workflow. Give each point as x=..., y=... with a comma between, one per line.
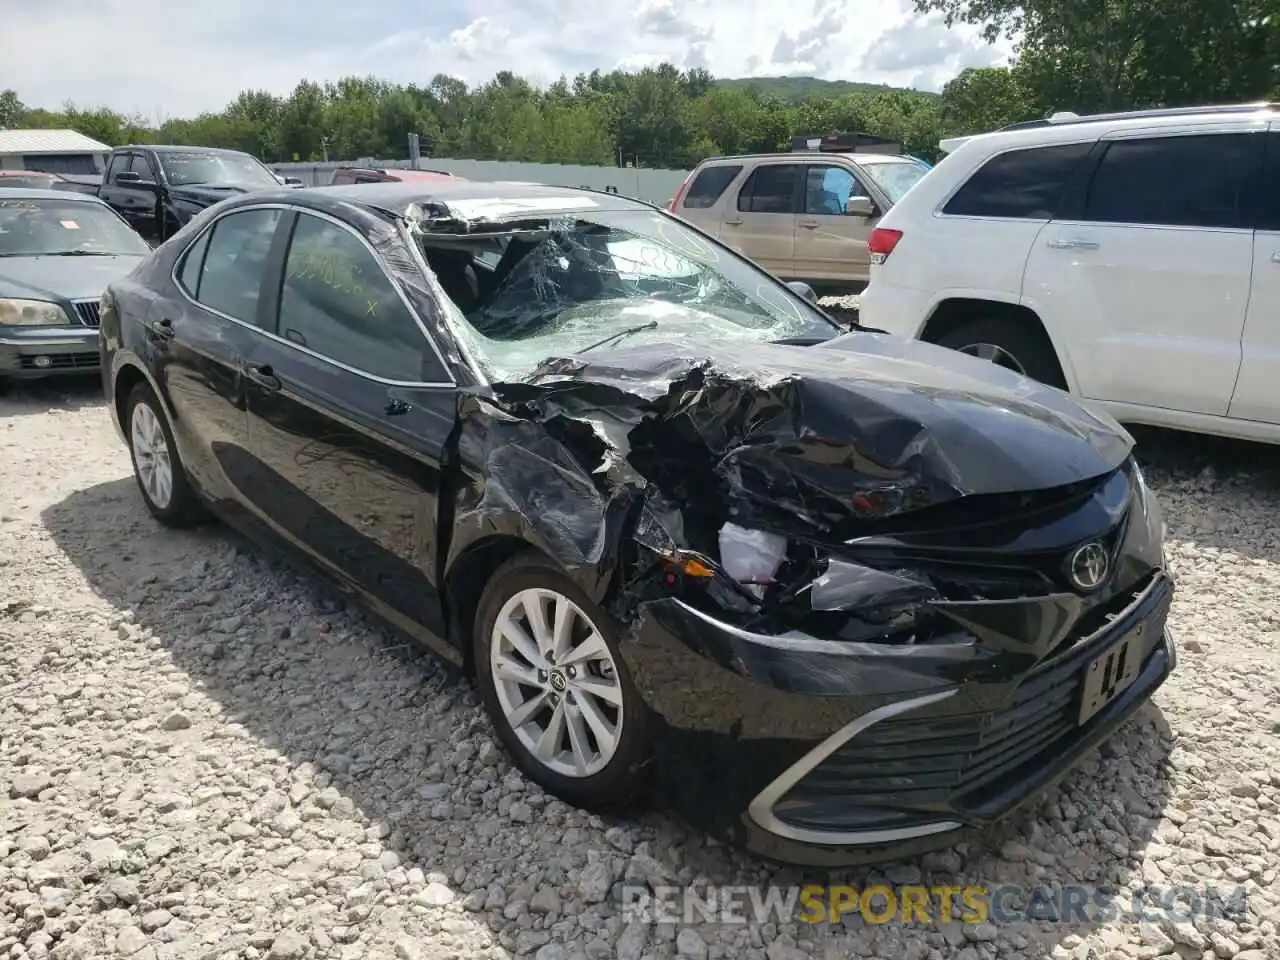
x=798, y=89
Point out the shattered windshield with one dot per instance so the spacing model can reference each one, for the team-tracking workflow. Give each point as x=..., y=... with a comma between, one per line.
x=576, y=283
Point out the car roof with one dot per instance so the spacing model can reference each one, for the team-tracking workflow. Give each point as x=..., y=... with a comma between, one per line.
x=32, y=193
x=1070, y=128
x=397, y=195
x=27, y=173
x=178, y=148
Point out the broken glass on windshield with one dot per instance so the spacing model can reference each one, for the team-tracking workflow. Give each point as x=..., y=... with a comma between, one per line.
x=571, y=282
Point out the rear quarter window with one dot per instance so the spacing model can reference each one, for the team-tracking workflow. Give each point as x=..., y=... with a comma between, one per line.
x=1020, y=184
x=709, y=185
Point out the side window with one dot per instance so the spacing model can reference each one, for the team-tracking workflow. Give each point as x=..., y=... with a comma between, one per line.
x=709, y=184
x=192, y=262
x=1023, y=184
x=827, y=189
x=337, y=301
x=770, y=189
x=1196, y=181
x=143, y=166
x=118, y=162
x=234, y=263
x=1269, y=212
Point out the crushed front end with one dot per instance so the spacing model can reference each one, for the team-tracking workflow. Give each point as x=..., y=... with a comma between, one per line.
x=865, y=619
x=895, y=692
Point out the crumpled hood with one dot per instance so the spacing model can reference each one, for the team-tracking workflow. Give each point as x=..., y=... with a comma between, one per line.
x=62, y=278
x=205, y=195
x=865, y=425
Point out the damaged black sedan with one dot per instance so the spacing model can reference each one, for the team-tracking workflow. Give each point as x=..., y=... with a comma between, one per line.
x=832, y=596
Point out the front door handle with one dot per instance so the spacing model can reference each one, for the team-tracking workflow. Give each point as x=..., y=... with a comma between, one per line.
x=397, y=407
x=809, y=224
x=1075, y=244
x=735, y=222
x=1275, y=257
x=263, y=376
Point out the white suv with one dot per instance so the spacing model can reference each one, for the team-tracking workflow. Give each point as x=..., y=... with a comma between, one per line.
x=1132, y=259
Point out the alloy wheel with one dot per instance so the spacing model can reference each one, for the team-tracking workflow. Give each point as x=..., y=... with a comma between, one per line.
x=556, y=682
x=994, y=353
x=151, y=455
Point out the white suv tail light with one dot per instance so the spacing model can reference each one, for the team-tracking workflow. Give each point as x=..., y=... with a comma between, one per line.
x=881, y=243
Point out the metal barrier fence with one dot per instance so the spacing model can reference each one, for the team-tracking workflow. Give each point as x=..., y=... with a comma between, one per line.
x=655, y=186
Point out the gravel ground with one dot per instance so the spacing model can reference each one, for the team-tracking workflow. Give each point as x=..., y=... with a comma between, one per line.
x=204, y=754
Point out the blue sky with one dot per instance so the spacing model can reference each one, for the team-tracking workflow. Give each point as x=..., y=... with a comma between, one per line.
x=165, y=58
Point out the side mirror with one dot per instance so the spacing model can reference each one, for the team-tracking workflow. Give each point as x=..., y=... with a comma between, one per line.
x=128, y=176
x=802, y=289
x=860, y=207
x=292, y=182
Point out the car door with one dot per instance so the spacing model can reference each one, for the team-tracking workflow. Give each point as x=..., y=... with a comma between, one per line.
x=200, y=340
x=350, y=408
x=831, y=244
x=113, y=192
x=1257, y=394
x=1145, y=273
x=704, y=203
x=137, y=204
x=761, y=225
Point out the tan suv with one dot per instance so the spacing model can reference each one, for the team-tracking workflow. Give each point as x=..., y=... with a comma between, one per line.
x=804, y=215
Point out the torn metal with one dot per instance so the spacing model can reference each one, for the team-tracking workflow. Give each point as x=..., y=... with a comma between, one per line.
x=754, y=496
x=774, y=496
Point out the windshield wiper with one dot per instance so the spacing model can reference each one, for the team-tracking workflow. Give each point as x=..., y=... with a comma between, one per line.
x=620, y=334
x=77, y=253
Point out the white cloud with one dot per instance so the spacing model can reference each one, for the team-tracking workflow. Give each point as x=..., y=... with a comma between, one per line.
x=161, y=58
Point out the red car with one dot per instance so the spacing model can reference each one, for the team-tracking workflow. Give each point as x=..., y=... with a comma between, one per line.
x=346, y=175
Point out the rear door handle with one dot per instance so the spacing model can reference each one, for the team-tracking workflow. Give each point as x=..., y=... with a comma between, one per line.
x=809, y=224
x=263, y=376
x=735, y=222
x=1275, y=257
x=1075, y=244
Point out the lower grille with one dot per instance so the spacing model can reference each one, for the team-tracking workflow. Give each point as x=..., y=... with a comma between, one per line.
x=951, y=763
x=61, y=361
x=88, y=311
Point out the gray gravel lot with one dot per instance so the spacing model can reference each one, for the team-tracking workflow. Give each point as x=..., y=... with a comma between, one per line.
x=204, y=754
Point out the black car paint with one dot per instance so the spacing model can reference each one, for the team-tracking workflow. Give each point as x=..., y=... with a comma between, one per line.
x=409, y=496
x=154, y=207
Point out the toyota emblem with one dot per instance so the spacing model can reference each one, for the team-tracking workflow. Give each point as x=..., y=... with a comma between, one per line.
x=1088, y=567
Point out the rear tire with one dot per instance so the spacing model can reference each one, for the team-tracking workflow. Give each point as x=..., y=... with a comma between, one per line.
x=157, y=467
x=561, y=701
x=1010, y=344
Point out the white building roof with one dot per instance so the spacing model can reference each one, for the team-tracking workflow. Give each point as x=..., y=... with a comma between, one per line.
x=48, y=141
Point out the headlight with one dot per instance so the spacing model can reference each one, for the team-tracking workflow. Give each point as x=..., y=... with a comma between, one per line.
x=32, y=313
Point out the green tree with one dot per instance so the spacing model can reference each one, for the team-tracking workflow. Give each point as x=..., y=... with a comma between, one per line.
x=985, y=99
x=1089, y=55
x=11, y=109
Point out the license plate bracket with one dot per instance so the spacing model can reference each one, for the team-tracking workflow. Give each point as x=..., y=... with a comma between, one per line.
x=1110, y=673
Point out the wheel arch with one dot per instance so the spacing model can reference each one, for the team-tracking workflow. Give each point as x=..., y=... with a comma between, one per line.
x=128, y=374
x=465, y=581
x=952, y=312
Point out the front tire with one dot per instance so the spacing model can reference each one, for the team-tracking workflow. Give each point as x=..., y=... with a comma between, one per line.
x=550, y=674
x=157, y=467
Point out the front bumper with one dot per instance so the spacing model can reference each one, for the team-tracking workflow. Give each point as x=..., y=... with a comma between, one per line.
x=28, y=353
x=779, y=747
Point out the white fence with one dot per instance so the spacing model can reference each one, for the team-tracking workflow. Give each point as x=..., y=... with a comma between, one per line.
x=655, y=186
